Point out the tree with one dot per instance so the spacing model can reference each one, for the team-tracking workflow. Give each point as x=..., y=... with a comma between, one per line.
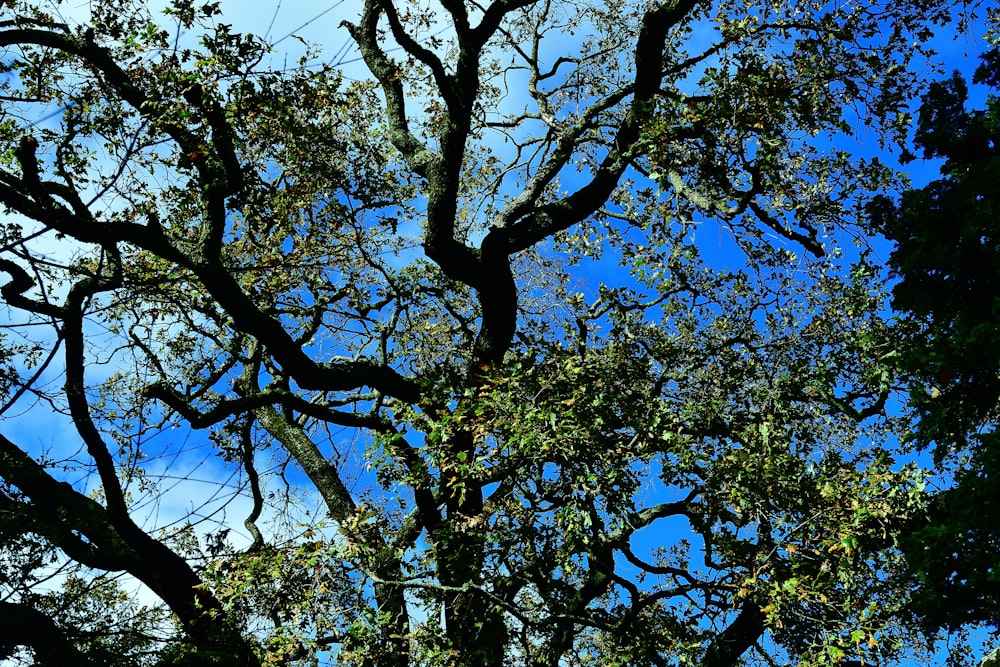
x=947, y=292
x=682, y=462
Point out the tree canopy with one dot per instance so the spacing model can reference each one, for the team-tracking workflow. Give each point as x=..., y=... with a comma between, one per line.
x=947, y=294
x=554, y=340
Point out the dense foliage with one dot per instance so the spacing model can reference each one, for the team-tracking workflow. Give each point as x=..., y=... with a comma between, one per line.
x=544, y=343
x=948, y=293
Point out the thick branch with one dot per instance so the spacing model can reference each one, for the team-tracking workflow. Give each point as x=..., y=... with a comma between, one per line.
x=322, y=473
x=21, y=625
x=494, y=15
x=727, y=647
x=662, y=510
x=45, y=516
x=64, y=514
x=342, y=508
x=21, y=282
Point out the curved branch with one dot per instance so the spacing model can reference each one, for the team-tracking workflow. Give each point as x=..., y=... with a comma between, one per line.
x=224, y=409
x=213, y=174
x=422, y=54
x=246, y=452
x=22, y=625
x=553, y=217
x=421, y=159
x=76, y=397
x=21, y=282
